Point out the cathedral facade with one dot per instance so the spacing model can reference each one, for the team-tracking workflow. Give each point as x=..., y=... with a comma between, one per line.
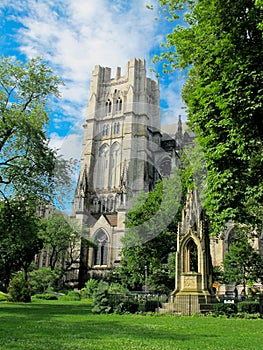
x=124, y=153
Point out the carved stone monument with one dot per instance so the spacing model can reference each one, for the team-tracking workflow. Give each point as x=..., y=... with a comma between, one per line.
x=193, y=278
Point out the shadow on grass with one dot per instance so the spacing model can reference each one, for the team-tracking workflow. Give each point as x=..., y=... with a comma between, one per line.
x=71, y=325
x=74, y=320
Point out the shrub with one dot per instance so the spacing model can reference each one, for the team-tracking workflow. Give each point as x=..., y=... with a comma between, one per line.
x=113, y=297
x=42, y=280
x=127, y=306
x=151, y=305
x=249, y=307
x=18, y=288
x=70, y=296
x=46, y=296
x=222, y=309
x=248, y=316
x=117, y=288
x=101, y=299
x=89, y=289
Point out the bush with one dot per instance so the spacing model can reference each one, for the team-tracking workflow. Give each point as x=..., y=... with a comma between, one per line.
x=18, y=289
x=113, y=297
x=117, y=288
x=71, y=296
x=89, y=289
x=128, y=306
x=249, y=307
x=151, y=305
x=46, y=296
x=121, y=303
x=248, y=316
x=222, y=309
x=109, y=298
x=42, y=280
x=101, y=299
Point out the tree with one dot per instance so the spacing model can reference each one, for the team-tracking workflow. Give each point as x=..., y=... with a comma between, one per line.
x=151, y=236
x=62, y=238
x=242, y=264
x=19, y=241
x=259, y=3
x=30, y=171
x=220, y=49
x=26, y=161
x=56, y=235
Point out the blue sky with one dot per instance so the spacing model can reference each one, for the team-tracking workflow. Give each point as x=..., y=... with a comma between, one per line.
x=75, y=35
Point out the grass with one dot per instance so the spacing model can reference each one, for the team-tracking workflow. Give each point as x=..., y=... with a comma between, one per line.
x=71, y=325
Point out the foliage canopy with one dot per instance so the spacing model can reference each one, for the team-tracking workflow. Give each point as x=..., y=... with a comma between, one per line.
x=26, y=161
x=220, y=46
x=150, y=237
x=242, y=264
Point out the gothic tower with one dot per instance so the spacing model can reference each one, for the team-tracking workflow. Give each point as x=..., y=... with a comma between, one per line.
x=121, y=133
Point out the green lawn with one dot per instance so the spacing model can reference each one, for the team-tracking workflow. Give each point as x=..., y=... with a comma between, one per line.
x=71, y=325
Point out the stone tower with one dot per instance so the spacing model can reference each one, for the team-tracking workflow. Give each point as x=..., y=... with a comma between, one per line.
x=121, y=143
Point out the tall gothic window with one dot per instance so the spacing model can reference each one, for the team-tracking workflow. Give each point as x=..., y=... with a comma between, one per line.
x=102, y=168
x=100, y=253
x=105, y=130
x=116, y=128
x=115, y=160
x=118, y=105
x=108, y=107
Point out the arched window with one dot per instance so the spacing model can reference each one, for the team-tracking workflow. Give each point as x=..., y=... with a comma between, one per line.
x=95, y=205
x=191, y=257
x=100, y=253
x=118, y=105
x=102, y=168
x=108, y=107
x=115, y=160
x=116, y=128
x=105, y=130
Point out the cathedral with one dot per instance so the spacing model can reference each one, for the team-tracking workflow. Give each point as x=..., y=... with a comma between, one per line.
x=124, y=153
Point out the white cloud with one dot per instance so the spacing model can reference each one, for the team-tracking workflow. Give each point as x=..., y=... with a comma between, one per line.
x=69, y=146
x=75, y=35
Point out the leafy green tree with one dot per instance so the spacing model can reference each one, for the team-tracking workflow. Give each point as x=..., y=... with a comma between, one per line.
x=19, y=241
x=26, y=161
x=259, y=3
x=151, y=236
x=62, y=238
x=30, y=171
x=242, y=264
x=220, y=49
x=56, y=234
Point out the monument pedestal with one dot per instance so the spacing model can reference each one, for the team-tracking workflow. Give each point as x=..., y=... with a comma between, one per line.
x=192, y=298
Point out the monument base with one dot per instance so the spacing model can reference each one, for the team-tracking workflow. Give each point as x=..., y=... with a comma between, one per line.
x=188, y=304
x=192, y=298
